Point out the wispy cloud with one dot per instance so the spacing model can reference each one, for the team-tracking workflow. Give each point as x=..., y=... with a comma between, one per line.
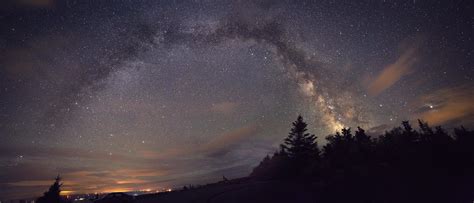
x=393, y=72
x=126, y=172
x=31, y=183
x=218, y=145
x=225, y=142
x=88, y=180
x=446, y=105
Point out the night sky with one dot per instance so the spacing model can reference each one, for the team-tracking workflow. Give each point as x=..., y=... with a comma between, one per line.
x=130, y=95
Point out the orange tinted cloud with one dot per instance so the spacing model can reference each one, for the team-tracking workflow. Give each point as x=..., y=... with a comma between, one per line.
x=131, y=181
x=31, y=183
x=219, y=144
x=116, y=180
x=448, y=104
x=130, y=175
x=393, y=72
x=223, y=142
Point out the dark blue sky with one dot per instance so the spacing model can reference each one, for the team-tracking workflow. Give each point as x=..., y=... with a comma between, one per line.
x=130, y=95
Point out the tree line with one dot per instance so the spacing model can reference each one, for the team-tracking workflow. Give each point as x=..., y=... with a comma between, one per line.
x=402, y=165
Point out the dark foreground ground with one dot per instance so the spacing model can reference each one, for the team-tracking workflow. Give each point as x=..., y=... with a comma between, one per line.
x=289, y=192
x=248, y=191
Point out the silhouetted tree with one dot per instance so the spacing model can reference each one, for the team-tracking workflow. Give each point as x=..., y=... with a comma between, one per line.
x=299, y=144
x=425, y=128
x=53, y=194
x=339, y=149
x=361, y=137
x=364, y=146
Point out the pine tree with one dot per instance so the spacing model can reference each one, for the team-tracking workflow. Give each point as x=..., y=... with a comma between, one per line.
x=52, y=195
x=361, y=138
x=299, y=144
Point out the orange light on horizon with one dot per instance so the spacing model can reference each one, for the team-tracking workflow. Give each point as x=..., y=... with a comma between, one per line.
x=117, y=190
x=66, y=192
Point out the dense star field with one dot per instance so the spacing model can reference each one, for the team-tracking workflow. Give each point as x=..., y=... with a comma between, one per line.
x=133, y=95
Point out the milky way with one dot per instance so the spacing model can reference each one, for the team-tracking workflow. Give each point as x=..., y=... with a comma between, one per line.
x=150, y=95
